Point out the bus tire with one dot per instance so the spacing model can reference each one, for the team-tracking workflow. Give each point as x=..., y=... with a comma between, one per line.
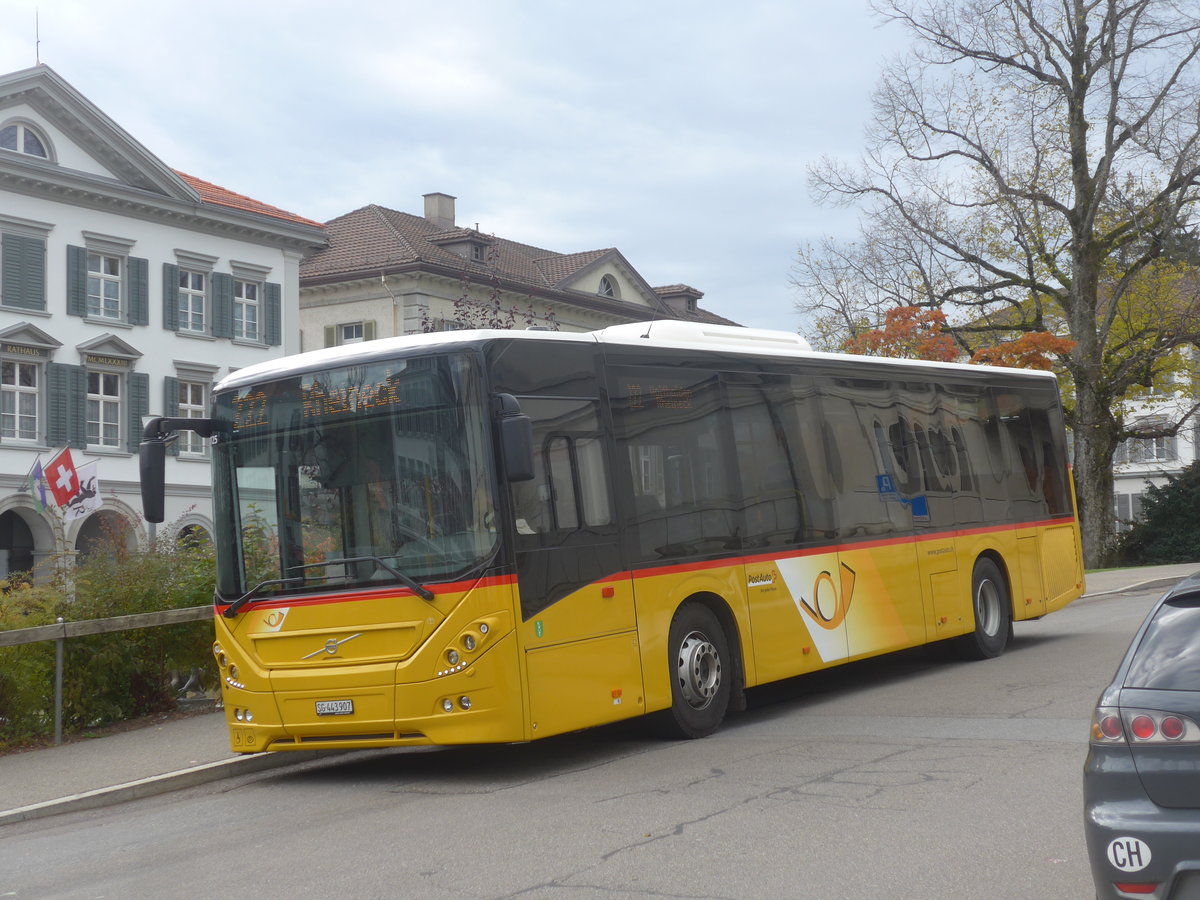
x=991, y=607
x=701, y=673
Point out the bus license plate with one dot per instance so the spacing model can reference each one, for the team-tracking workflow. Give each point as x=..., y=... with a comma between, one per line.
x=335, y=707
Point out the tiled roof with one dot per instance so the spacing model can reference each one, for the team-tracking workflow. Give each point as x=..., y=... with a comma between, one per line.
x=219, y=196
x=374, y=238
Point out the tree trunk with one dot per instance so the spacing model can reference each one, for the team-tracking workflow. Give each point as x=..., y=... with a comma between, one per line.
x=1095, y=442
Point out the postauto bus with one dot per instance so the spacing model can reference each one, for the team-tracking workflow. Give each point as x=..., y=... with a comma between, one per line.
x=486, y=536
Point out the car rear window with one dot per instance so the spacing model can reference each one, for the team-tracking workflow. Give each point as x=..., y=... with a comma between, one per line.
x=1168, y=658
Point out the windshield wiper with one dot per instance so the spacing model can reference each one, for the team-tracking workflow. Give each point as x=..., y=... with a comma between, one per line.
x=422, y=592
x=236, y=606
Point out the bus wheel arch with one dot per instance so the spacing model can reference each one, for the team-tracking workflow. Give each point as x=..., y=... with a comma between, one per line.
x=991, y=609
x=705, y=668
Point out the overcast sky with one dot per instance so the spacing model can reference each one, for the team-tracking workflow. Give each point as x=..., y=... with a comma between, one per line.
x=679, y=133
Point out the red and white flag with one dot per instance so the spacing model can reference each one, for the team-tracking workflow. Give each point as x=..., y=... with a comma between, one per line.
x=62, y=477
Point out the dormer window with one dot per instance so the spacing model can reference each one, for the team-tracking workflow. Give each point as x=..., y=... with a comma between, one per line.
x=608, y=288
x=478, y=253
x=23, y=138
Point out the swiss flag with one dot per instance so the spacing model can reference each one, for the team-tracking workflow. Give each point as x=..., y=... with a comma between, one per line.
x=62, y=477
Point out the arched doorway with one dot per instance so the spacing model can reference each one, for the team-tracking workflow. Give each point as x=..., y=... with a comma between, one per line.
x=101, y=532
x=16, y=544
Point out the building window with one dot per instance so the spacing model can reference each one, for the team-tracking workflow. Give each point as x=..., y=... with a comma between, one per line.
x=192, y=295
x=608, y=287
x=1147, y=450
x=245, y=309
x=1128, y=509
x=351, y=333
x=103, y=286
x=192, y=406
x=18, y=401
x=104, y=409
x=23, y=139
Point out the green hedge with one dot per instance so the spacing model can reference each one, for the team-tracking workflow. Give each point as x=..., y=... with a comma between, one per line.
x=1168, y=530
x=111, y=677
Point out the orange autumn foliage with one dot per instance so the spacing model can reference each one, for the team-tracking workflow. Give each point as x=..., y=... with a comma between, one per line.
x=1032, y=350
x=908, y=332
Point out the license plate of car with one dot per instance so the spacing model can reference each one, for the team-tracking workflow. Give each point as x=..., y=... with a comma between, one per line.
x=335, y=707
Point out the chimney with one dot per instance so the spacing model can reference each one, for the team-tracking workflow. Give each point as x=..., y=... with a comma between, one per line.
x=439, y=209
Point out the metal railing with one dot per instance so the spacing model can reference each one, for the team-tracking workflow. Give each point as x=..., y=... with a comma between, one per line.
x=62, y=630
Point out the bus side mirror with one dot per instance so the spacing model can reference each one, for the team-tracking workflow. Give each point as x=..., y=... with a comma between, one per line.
x=516, y=439
x=152, y=456
x=152, y=462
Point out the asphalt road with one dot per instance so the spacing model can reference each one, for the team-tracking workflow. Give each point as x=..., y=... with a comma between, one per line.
x=910, y=776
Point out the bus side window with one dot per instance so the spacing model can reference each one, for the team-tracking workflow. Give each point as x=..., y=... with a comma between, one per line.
x=674, y=429
x=569, y=491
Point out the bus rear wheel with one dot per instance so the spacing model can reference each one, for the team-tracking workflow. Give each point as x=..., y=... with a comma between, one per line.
x=699, y=662
x=992, y=609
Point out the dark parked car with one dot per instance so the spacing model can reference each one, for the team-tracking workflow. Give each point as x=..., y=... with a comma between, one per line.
x=1141, y=782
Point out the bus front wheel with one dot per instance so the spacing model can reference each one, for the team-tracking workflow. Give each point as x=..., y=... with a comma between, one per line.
x=701, y=673
x=992, y=608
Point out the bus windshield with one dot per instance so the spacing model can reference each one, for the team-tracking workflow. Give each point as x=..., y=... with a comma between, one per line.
x=354, y=476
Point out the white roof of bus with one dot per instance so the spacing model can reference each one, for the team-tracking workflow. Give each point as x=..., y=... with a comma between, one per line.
x=665, y=333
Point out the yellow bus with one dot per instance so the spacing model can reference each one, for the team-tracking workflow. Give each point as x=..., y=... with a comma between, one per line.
x=487, y=536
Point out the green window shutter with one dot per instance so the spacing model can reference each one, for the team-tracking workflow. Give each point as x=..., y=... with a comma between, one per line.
x=139, y=291
x=171, y=407
x=170, y=297
x=66, y=423
x=222, y=322
x=139, y=406
x=330, y=335
x=273, y=314
x=24, y=272
x=369, y=330
x=77, y=281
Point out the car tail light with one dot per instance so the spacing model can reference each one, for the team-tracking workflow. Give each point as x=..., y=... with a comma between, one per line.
x=1136, y=887
x=1111, y=725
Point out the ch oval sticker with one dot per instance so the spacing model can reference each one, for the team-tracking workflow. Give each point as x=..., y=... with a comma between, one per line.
x=1129, y=854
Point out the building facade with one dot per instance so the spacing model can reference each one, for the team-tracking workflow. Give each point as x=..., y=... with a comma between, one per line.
x=1140, y=462
x=387, y=273
x=126, y=290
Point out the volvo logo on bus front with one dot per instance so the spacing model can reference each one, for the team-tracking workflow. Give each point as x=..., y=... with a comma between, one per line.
x=331, y=646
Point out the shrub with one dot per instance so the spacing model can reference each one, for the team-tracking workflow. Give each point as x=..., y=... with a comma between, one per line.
x=109, y=677
x=1169, y=529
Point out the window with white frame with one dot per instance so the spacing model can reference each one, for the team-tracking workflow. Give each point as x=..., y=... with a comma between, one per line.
x=104, y=285
x=246, y=296
x=18, y=401
x=192, y=406
x=23, y=139
x=103, y=409
x=1147, y=450
x=351, y=333
x=193, y=293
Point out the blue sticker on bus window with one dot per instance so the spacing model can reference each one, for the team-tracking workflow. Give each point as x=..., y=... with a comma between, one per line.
x=919, y=507
x=886, y=487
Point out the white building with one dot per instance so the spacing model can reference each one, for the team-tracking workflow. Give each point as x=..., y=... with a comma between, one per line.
x=1139, y=462
x=126, y=290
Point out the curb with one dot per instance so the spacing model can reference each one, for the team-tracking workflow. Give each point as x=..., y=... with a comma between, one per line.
x=158, y=784
x=1139, y=586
